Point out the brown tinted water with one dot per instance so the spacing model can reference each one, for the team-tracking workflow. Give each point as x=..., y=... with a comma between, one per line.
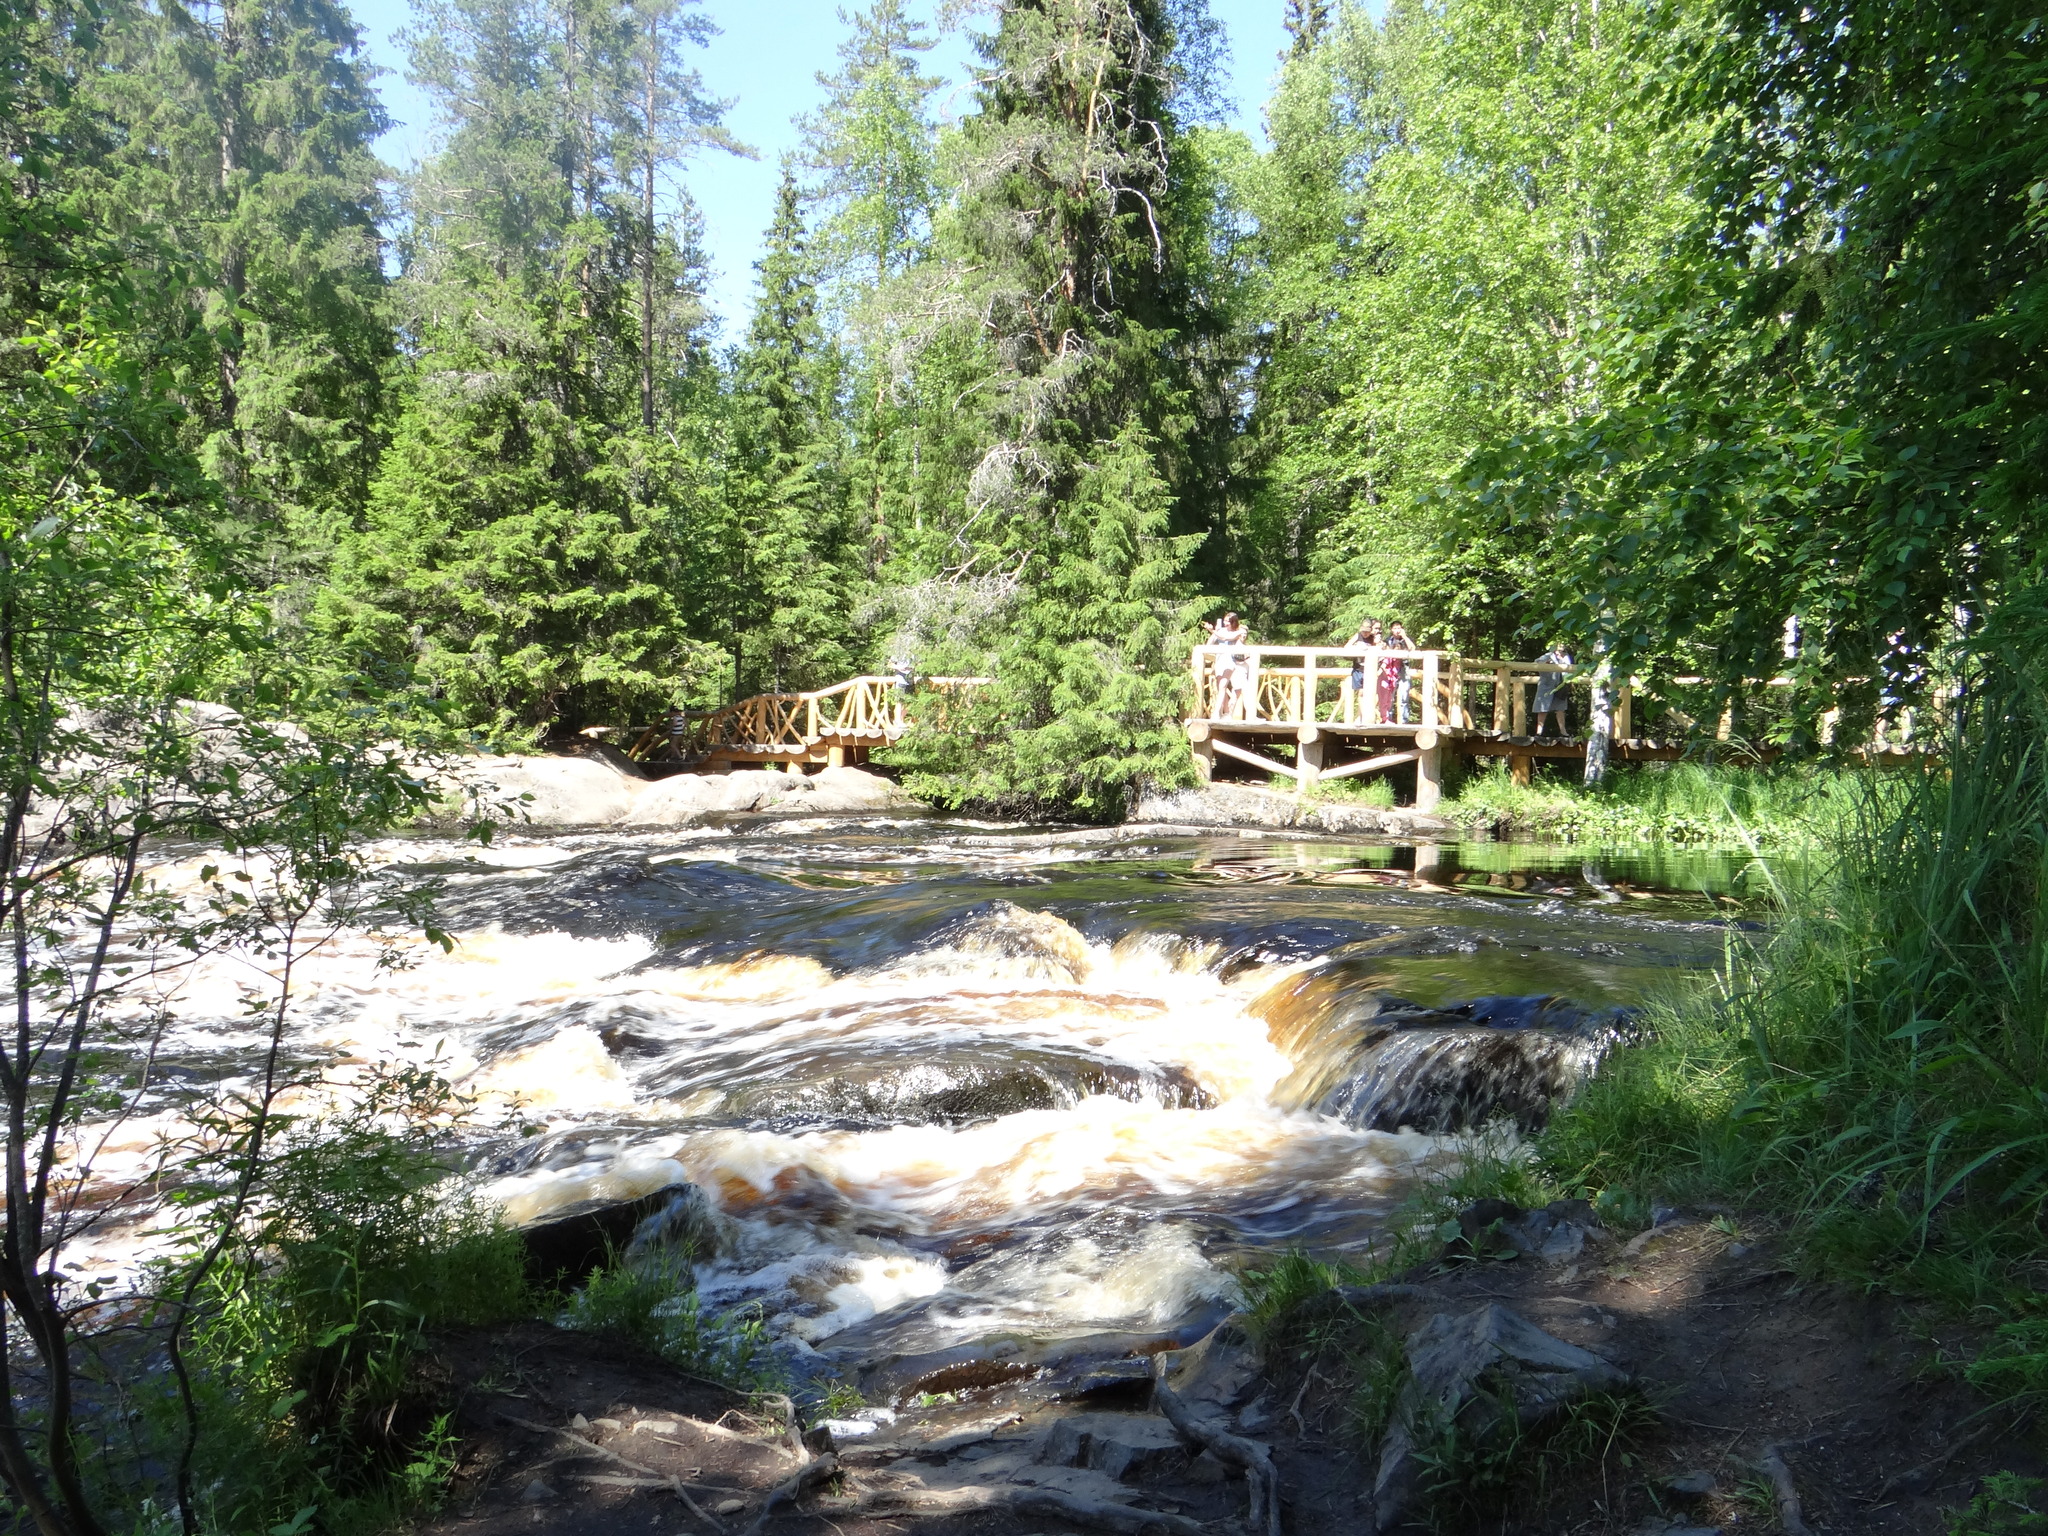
x=944, y=1080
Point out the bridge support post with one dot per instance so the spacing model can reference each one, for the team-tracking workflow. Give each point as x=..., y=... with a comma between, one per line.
x=1521, y=768
x=1204, y=750
x=1308, y=758
x=835, y=757
x=1429, y=770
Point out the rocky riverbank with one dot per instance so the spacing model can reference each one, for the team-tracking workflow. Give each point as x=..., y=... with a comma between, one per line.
x=1679, y=1379
x=605, y=789
x=1248, y=807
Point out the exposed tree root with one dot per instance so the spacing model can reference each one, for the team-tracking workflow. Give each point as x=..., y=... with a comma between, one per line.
x=652, y=1477
x=1093, y=1514
x=1251, y=1456
x=1790, y=1514
x=791, y=1489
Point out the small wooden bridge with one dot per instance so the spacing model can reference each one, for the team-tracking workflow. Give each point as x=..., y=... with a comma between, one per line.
x=832, y=727
x=1251, y=700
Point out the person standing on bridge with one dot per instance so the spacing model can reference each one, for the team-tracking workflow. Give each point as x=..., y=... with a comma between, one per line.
x=1404, y=671
x=1233, y=667
x=1550, y=694
x=1393, y=672
x=1364, y=640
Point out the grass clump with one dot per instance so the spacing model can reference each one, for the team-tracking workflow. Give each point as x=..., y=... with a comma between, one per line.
x=1877, y=1069
x=1484, y=1463
x=1696, y=804
x=655, y=1304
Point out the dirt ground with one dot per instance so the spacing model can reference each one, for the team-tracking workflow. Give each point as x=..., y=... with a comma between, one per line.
x=569, y=1435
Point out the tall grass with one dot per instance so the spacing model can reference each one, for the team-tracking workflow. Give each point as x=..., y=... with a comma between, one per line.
x=1702, y=804
x=1879, y=1068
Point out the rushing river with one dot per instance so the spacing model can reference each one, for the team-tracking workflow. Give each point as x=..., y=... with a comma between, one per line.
x=946, y=1080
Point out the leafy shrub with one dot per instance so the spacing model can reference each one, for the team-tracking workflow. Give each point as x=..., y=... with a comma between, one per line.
x=306, y=1339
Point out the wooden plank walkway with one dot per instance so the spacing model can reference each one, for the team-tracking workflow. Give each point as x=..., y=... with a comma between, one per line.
x=1250, y=699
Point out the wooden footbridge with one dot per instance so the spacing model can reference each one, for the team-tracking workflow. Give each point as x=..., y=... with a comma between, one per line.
x=1252, y=702
x=1309, y=713
x=832, y=727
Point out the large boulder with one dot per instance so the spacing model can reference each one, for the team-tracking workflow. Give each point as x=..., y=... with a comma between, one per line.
x=1250, y=808
x=681, y=800
x=539, y=791
x=601, y=788
x=1471, y=1370
x=1220, y=805
x=567, y=1244
x=846, y=791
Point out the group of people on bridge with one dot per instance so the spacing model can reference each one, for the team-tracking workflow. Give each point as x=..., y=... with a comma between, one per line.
x=1237, y=686
x=1237, y=669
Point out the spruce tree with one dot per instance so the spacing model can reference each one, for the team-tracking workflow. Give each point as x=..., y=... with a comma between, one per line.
x=871, y=154
x=872, y=150
x=1065, y=246
x=240, y=132
x=527, y=544
x=789, y=599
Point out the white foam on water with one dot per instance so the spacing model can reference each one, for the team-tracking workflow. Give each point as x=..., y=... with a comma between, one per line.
x=981, y=1225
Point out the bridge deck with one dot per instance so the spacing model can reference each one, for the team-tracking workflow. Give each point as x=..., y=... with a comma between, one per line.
x=1364, y=712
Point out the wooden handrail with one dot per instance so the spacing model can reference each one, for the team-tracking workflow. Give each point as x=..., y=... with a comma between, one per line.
x=869, y=708
x=1309, y=686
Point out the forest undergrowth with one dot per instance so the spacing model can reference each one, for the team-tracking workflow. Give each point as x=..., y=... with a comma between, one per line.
x=1780, y=807
x=1875, y=1070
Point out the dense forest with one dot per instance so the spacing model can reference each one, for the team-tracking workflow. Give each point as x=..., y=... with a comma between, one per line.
x=1698, y=332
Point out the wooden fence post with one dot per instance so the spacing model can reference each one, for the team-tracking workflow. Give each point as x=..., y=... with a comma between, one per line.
x=1429, y=771
x=1501, y=717
x=1308, y=758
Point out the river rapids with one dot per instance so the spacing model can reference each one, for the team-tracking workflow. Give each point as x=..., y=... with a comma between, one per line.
x=944, y=1081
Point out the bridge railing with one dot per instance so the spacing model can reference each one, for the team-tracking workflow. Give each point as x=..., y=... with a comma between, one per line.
x=869, y=710
x=1375, y=686
x=1330, y=685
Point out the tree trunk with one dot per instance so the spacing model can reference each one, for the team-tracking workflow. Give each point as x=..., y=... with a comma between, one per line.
x=1602, y=733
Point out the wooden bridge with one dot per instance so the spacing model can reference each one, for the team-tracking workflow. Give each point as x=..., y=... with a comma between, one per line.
x=832, y=727
x=1251, y=700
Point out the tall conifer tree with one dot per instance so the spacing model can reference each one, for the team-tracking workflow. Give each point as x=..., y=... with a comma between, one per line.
x=522, y=544
x=789, y=586
x=1065, y=246
x=240, y=131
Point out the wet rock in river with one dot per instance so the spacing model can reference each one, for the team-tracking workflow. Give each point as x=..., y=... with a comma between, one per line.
x=1035, y=946
x=1471, y=1370
x=565, y=1246
x=922, y=1084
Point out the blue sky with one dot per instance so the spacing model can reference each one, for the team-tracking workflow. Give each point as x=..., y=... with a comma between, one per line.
x=767, y=59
